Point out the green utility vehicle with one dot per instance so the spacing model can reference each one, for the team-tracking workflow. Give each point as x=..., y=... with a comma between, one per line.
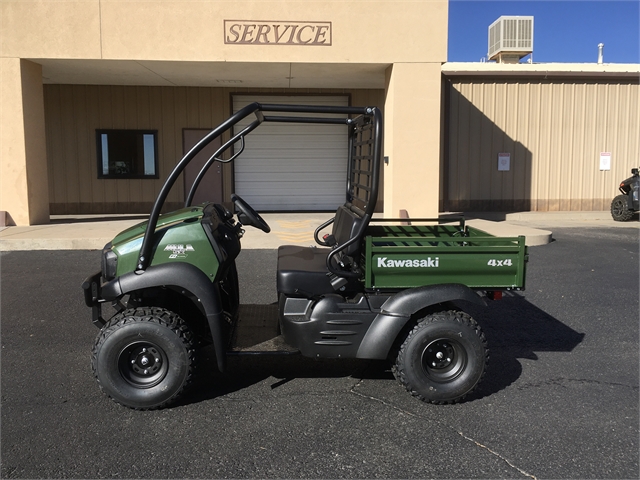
x=371, y=289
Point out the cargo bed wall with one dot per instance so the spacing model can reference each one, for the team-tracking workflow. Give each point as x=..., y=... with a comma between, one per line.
x=405, y=256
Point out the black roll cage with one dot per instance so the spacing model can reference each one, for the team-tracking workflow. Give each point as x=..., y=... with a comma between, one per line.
x=371, y=114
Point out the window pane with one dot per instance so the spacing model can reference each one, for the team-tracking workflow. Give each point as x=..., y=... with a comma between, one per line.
x=105, y=154
x=149, y=155
x=127, y=154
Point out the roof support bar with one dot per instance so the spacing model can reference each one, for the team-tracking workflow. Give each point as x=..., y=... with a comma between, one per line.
x=257, y=109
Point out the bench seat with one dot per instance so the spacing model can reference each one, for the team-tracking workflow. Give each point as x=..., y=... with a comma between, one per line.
x=302, y=271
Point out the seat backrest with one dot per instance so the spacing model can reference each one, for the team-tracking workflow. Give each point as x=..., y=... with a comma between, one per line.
x=346, y=225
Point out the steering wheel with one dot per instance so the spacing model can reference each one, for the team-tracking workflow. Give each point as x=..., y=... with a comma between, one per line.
x=248, y=216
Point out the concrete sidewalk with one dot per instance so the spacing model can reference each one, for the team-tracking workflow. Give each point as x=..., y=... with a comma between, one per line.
x=92, y=232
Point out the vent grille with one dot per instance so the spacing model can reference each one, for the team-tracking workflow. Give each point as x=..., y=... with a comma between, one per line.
x=512, y=35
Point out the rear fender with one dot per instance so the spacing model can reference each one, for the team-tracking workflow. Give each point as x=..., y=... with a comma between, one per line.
x=397, y=311
x=185, y=277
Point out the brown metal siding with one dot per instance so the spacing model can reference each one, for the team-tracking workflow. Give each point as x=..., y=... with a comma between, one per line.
x=554, y=131
x=74, y=112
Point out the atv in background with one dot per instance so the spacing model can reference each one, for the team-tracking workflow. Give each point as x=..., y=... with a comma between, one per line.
x=624, y=206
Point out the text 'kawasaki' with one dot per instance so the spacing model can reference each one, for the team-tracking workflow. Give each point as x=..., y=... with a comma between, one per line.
x=412, y=263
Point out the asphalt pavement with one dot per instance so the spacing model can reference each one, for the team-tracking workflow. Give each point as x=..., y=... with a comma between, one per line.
x=560, y=398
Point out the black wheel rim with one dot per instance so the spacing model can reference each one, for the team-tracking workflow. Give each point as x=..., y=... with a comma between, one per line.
x=618, y=207
x=443, y=360
x=143, y=364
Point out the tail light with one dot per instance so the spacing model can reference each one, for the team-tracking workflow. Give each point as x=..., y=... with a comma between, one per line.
x=495, y=295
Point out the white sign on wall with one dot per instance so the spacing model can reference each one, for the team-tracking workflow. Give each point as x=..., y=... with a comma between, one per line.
x=504, y=162
x=605, y=160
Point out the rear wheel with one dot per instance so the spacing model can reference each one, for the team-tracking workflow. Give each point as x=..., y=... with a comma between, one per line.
x=143, y=358
x=620, y=209
x=443, y=358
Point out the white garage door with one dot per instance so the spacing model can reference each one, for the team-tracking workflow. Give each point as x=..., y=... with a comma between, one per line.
x=289, y=166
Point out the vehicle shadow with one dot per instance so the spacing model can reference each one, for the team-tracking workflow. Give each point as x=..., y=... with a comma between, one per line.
x=517, y=329
x=514, y=328
x=244, y=371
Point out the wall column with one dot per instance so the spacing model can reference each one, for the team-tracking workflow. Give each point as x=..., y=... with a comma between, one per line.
x=24, y=182
x=412, y=139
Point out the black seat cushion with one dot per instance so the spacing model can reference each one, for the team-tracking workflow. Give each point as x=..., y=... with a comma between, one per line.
x=302, y=271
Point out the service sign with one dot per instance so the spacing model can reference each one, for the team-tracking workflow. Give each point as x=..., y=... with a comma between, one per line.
x=251, y=32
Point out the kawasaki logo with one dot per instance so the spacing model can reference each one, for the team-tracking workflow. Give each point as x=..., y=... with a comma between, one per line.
x=412, y=263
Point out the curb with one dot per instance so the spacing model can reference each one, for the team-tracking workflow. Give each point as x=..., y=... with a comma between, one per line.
x=533, y=236
x=93, y=232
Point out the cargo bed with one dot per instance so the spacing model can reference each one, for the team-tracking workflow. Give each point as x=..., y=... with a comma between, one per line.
x=397, y=255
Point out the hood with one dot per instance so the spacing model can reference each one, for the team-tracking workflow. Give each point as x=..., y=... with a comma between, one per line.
x=132, y=237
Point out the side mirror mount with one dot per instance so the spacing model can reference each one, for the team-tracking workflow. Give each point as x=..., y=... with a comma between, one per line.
x=634, y=171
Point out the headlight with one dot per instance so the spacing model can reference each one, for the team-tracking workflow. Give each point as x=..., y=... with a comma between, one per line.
x=109, y=262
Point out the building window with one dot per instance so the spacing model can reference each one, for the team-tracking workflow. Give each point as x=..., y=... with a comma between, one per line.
x=127, y=153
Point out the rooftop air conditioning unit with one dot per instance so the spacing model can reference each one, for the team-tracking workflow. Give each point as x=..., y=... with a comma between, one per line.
x=510, y=39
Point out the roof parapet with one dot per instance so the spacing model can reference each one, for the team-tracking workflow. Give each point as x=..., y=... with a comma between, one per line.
x=542, y=69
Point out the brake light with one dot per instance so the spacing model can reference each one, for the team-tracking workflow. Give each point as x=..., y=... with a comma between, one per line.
x=495, y=295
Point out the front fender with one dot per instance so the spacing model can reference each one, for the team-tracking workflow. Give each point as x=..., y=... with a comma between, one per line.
x=397, y=311
x=184, y=276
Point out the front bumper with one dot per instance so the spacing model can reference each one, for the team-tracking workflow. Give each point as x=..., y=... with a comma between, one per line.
x=92, y=288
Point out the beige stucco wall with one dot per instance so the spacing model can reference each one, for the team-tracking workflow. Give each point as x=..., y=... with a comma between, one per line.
x=409, y=37
x=50, y=29
x=362, y=31
x=412, y=140
x=554, y=130
x=23, y=161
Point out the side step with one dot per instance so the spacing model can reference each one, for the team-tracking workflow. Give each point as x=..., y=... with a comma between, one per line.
x=273, y=346
x=256, y=332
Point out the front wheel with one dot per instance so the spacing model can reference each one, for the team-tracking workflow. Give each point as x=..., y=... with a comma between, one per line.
x=443, y=358
x=143, y=358
x=620, y=209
